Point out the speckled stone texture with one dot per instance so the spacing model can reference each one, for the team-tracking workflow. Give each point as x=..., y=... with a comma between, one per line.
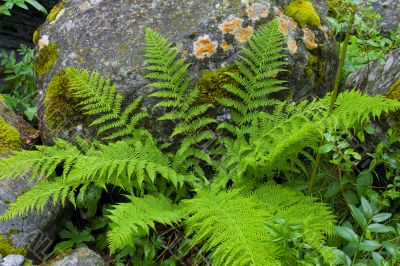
x=389, y=10
x=377, y=77
x=108, y=36
x=79, y=257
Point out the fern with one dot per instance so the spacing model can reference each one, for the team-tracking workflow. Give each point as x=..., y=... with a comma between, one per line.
x=98, y=97
x=142, y=213
x=258, y=67
x=168, y=75
x=39, y=195
x=233, y=224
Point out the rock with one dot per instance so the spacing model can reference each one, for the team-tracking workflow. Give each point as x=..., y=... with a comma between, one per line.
x=108, y=36
x=389, y=10
x=15, y=127
x=18, y=28
x=377, y=77
x=79, y=257
x=12, y=260
x=34, y=233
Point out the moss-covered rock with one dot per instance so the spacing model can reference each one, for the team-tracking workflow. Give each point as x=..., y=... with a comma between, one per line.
x=302, y=11
x=10, y=138
x=45, y=59
x=7, y=247
x=54, y=11
x=59, y=103
x=35, y=36
x=211, y=84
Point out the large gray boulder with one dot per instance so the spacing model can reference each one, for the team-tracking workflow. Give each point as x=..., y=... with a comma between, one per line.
x=378, y=77
x=108, y=36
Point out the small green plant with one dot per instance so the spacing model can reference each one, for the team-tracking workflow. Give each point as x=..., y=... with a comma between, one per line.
x=8, y=5
x=19, y=92
x=73, y=238
x=372, y=240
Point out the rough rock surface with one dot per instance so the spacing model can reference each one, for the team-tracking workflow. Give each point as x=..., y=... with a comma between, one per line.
x=389, y=11
x=12, y=260
x=80, y=257
x=35, y=231
x=19, y=27
x=377, y=77
x=28, y=134
x=108, y=36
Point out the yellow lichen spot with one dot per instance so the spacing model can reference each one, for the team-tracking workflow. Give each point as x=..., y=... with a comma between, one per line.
x=292, y=46
x=60, y=106
x=54, y=11
x=226, y=46
x=303, y=12
x=44, y=41
x=286, y=24
x=244, y=34
x=309, y=39
x=10, y=139
x=204, y=47
x=84, y=6
x=231, y=26
x=258, y=11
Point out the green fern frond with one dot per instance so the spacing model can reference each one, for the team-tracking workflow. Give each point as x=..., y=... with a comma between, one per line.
x=41, y=162
x=137, y=217
x=258, y=68
x=39, y=195
x=230, y=225
x=168, y=74
x=99, y=97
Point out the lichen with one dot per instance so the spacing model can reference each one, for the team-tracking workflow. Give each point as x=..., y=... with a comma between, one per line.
x=394, y=93
x=60, y=106
x=258, y=11
x=54, y=11
x=10, y=139
x=7, y=247
x=234, y=26
x=204, y=47
x=211, y=84
x=226, y=46
x=303, y=12
x=309, y=39
x=46, y=58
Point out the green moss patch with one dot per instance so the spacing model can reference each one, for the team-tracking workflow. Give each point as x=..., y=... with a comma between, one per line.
x=54, y=11
x=303, y=12
x=211, y=84
x=7, y=247
x=394, y=93
x=45, y=59
x=59, y=102
x=10, y=139
x=35, y=37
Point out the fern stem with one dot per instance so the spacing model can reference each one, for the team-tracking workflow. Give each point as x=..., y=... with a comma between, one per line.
x=335, y=92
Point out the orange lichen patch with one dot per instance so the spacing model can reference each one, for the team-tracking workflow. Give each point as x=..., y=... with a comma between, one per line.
x=292, y=46
x=232, y=25
x=309, y=39
x=286, y=24
x=325, y=30
x=244, y=34
x=44, y=41
x=226, y=46
x=278, y=12
x=204, y=47
x=258, y=11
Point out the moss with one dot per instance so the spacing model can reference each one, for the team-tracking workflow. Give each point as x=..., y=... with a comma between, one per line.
x=211, y=84
x=7, y=247
x=54, y=11
x=60, y=106
x=10, y=138
x=303, y=12
x=35, y=37
x=46, y=59
x=315, y=67
x=394, y=93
